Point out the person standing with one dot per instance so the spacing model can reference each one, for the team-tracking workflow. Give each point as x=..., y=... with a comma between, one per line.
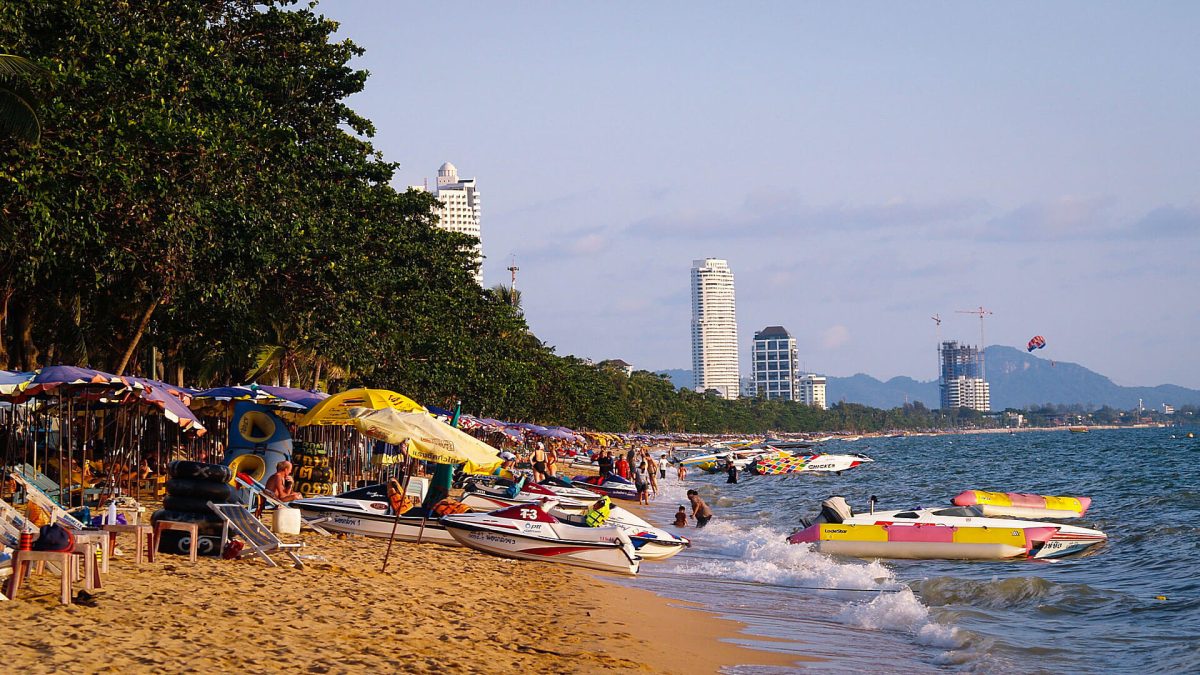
x=539, y=462
x=700, y=510
x=662, y=466
x=605, y=463
x=652, y=470
x=730, y=470
x=641, y=480
x=623, y=467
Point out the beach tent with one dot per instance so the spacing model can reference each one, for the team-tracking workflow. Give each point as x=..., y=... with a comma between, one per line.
x=428, y=438
x=335, y=410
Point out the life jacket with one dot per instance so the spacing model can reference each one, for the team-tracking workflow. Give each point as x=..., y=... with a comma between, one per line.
x=597, y=516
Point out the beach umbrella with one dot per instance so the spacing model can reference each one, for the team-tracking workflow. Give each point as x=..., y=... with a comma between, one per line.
x=11, y=382
x=428, y=439
x=335, y=410
x=305, y=398
x=170, y=400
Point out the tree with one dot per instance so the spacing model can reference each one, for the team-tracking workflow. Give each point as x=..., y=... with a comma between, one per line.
x=18, y=118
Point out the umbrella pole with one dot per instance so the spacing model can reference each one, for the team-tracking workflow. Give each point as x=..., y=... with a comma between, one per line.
x=396, y=522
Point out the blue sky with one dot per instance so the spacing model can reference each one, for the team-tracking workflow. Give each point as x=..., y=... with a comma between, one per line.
x=862, y=166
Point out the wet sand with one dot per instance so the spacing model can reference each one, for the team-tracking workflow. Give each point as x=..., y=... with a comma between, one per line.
x=436, y=610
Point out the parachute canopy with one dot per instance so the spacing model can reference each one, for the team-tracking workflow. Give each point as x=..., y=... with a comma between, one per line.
x=1037, y=342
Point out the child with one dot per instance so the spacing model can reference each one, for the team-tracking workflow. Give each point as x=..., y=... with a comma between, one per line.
x=681, y=518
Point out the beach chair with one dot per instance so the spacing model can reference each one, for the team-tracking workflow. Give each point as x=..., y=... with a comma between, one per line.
x=259, y=540
x=256, y=488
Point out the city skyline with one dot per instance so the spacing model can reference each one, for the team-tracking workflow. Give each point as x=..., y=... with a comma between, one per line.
x=861, y=168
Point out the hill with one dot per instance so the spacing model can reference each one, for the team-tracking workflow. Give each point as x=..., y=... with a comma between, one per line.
x=1018, y=379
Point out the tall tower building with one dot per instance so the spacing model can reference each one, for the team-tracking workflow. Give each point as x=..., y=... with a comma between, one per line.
x=775, y=364
x=460, y=208
x=962, y=383
x=714, y=328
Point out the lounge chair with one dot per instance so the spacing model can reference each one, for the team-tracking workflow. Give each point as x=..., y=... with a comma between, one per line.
x=256, y=488
x=259, y=540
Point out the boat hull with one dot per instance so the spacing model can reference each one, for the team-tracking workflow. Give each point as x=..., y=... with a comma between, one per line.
x=815, y=463
x=347, y=520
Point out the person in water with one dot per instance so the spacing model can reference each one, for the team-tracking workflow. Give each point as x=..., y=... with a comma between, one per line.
x=700, y=510
x=731, y=470
x=681, y=517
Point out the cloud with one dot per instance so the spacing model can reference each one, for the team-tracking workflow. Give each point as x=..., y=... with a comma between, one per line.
x=1168, y=221
x=1067, y=217
x=588, y=244
x=835, y=337
x=766, y=213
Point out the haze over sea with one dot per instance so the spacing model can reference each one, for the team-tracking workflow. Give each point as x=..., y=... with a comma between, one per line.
x=1089, y=613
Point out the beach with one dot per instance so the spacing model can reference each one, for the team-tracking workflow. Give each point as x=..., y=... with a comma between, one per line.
x=435, y=610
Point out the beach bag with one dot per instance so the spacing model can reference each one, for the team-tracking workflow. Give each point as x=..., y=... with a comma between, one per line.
x=54, y=538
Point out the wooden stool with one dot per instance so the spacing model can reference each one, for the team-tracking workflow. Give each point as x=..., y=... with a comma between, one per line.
x=143, y=536
x=99, y=538
x=192, y=528
x=22, y=560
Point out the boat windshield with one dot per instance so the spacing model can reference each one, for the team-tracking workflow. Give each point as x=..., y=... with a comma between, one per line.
x=959, y=512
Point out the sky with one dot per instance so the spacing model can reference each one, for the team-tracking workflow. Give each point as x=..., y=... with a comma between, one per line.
x=862, y=167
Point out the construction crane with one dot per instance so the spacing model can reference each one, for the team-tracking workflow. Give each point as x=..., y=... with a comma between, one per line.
x=981, y=312
x=937, y=319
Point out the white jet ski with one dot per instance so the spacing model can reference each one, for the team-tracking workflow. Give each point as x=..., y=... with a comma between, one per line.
x=529, y=532
x=652, y=543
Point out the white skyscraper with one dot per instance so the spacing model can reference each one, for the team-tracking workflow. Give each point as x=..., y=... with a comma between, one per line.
x=812, y=390
x=460, y=208
x=714, y=328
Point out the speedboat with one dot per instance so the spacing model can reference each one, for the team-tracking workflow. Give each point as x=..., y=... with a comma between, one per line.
x=366, y=511
x=958, y=532
x=714, y=462
x=529, y=532
x=651, y=543
x=1022, y=505
x=775, y=465
x=610, y=484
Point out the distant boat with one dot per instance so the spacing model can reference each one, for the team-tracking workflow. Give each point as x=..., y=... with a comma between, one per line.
x=1078, y=430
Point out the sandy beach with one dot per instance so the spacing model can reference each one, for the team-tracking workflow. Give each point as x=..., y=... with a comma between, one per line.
x=436, y=610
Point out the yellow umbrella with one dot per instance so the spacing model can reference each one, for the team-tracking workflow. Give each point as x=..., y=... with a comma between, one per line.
x=335, y=410
x=428, y=438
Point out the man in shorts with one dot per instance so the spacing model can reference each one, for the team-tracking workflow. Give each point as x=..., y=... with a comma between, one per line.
x=700, y=510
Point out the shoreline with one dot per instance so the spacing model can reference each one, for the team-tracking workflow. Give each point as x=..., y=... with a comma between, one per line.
x=437, y=609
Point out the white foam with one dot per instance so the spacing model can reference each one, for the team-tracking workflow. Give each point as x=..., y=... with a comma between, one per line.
x=901, y=612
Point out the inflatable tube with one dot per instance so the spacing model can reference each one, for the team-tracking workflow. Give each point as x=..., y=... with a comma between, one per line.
x=178, y=543
x=1023, y=505
x=199, y=470
x=209, y=518
x=188, y=504
x=253, y=465
x=190, y=487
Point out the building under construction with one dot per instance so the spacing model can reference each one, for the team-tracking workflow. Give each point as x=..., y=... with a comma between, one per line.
x=962, y=377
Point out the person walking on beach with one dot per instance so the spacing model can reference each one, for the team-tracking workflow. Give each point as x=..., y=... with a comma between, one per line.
x=641, y=479
x=551, y=461
x=652, y=470
x=539, y=462
x=681, y=472
x=700, y=510
x=662, y=466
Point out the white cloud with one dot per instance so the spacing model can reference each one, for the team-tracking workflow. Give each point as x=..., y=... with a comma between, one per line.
x=835, y=336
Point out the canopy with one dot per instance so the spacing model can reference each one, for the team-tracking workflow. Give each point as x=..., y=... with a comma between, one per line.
x=170, y=400
x=305, y=398
x=429, y=439
x=335, y=410
x=11, y=382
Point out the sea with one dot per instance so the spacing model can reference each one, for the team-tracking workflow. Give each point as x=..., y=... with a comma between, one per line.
x=1131, y=606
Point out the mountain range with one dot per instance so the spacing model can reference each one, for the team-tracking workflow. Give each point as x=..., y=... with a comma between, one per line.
x=1018, y=379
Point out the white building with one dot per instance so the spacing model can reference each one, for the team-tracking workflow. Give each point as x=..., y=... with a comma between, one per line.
x=812, y=390
x=714, y=328
x=460, y=208
x=967, y=392
x=773, y=358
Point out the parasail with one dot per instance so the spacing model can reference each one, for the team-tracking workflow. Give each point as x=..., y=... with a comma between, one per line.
x=1037, y=342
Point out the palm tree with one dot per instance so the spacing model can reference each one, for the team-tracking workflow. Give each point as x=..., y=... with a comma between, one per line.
x=17, y=116
x=507, y=295
x=287, y=359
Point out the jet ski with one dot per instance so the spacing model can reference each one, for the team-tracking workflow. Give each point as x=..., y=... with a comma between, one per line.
x=783, y=463
x=956, y=533
x=366, y=511
x=610, y=484
x=491, y=497
x=651, y=543
x=529, y=532
x=564, y=487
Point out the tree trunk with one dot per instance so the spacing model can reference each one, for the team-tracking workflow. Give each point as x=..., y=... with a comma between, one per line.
x=137, y=335
x=5, y=296
x=29, y=351
x=317, y=375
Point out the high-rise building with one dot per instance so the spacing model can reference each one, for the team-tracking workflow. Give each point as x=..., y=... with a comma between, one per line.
x=962, y=384
x=773, y=355
x=714, y=328
x=459, y=210
x=812, y=390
